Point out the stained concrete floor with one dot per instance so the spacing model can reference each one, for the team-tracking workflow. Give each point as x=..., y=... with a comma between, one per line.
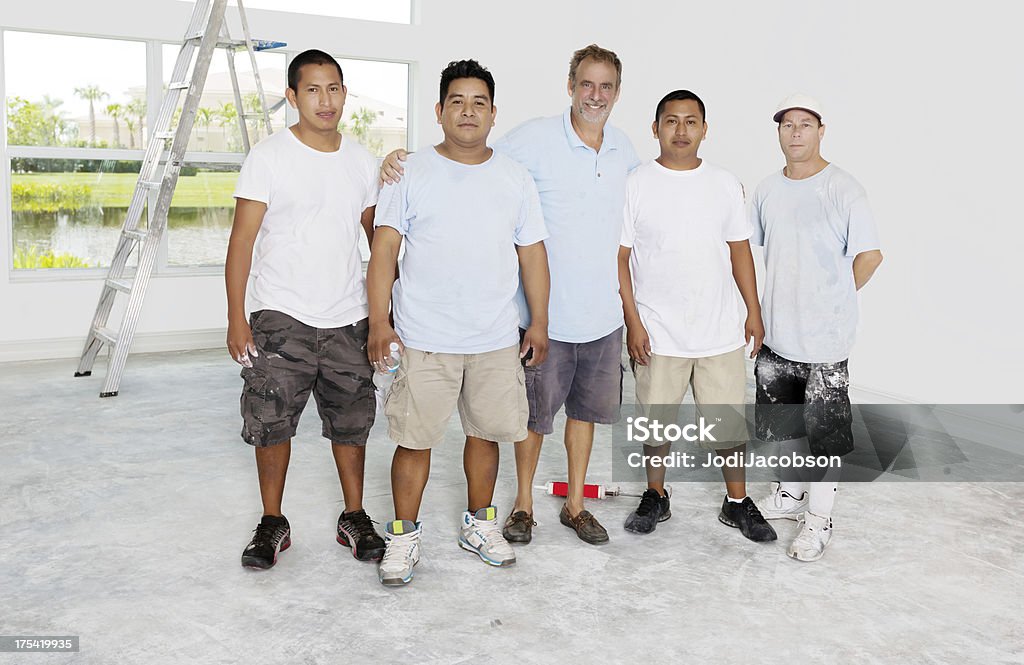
x=122, y=521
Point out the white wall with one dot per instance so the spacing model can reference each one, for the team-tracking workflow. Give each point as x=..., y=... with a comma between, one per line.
x=922, y=106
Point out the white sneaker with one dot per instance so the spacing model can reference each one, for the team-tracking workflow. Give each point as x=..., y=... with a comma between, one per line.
x=481, y=534
x=781, y=505
x=809, y=544
x=401, y=553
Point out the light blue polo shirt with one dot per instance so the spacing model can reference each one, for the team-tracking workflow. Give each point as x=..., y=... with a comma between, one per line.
x=461, y=223
x=582, y=194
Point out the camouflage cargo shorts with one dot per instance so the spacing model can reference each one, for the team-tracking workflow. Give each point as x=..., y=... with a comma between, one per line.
x=295, y=360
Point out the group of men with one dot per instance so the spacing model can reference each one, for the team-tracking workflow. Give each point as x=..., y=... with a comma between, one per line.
x=523, y=262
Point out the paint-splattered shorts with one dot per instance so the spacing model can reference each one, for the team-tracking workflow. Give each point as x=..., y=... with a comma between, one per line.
x=822, y=389
x=295, y=360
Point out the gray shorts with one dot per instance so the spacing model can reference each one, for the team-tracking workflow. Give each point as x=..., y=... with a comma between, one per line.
x=294, y=360
x=586, y=377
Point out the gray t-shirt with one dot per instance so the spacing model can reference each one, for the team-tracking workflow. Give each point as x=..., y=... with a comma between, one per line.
x=811, y=230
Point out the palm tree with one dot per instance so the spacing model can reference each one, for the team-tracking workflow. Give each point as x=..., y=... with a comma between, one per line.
x=227, y=115
x=204, y=116
x=116, y=111
x=91, y=93
x=135, y=114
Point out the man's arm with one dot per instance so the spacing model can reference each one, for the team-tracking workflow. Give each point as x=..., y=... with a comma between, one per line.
x=380, y=278
x=366, y=221
x=746, y=280
x=638, y=342
x=533, y=266
x=248, y=219
x=864, y=266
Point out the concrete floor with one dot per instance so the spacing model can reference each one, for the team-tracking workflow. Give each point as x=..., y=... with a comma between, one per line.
x=123, y=519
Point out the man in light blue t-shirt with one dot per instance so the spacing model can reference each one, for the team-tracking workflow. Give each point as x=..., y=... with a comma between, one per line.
x=471, y=222
x=580, y=164
x=820, y=247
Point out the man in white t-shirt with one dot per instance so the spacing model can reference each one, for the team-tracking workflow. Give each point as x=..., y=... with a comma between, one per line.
x=303, y=197
x=471, y=222
x=820, y=247
x=684, y=251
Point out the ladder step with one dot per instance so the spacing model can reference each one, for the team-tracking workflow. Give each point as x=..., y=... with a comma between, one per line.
x=119, y=285
x=194, y=36
x=252, y=115
x=136, y=235
x=150, y=184
x=164, y=136
x=106, y=335
x=179, y=85
x=232, y=44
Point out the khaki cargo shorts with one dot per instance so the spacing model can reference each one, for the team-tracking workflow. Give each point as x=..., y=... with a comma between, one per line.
x=488, y=388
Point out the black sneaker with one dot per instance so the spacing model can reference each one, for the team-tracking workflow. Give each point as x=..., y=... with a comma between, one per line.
x=653, y=508
x=748, y=519
x=356, y=530
x=271, y=536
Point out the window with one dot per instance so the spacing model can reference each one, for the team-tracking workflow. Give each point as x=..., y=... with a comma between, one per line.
x=77, y=127
x=390, y=11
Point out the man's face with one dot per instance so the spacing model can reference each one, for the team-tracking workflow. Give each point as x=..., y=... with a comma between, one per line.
x=800, y=134
x=467, y=114
x=595, y=91
x=680, y=129
x=319, y=97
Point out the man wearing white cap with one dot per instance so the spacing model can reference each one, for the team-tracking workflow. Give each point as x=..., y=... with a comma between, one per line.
x=820, y=247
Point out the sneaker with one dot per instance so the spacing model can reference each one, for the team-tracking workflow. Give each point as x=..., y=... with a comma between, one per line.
x=401, y=553
x=519, y=527
x=748, y=519
x=809, y=544
x=356, y=530
x=481, y=535
x=653, y=508
x=585, y=525
x=271, y=536
x=781, y=505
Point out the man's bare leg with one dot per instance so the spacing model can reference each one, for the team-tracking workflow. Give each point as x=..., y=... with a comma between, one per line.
x=350, y=461
x=527, y=457
x=272, y=467
x=480, y=462
x=579, y=440
x=409, y=472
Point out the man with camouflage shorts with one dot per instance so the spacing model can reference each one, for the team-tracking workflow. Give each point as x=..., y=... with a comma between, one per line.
x=820, y=247
x=303, y=197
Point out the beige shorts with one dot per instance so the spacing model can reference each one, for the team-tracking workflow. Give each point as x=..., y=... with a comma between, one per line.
x=719, y=389
x=489, y=389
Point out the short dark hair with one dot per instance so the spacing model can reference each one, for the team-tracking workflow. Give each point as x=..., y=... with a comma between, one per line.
x=465, y=69
x=679, y=96
x=310, y=57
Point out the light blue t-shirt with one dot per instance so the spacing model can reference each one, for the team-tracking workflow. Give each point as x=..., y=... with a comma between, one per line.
x=811, y=230
x=456, y=291
x=582, y=193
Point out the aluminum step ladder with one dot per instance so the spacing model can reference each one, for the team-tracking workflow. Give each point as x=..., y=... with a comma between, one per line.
x=207, y=31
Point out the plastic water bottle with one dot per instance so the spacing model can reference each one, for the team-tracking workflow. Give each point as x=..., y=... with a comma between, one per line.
x=382, y=380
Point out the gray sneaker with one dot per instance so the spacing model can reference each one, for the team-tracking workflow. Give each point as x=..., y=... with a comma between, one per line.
x=401, y=553
x=519, y=527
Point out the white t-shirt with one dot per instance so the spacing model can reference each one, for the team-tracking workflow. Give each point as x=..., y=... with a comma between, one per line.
x=306, y=260
x=811, y=230
x=679, y=224
x=461, y=223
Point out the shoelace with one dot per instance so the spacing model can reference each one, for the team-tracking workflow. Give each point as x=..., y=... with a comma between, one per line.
x=487, y=528
x=266, y=535
x=523, y=517
x=752, y=511
x=647, y=503
x=399, y=548
x=361, y=523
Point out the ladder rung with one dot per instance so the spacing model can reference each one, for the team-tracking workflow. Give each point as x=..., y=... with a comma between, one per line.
x=231, y=43
x=169, y=134
x=252, y=115
x=179, y=85
x=119, y=285
x=151, y=184
x=194, y=36
x=106, y=335
x=136, y=235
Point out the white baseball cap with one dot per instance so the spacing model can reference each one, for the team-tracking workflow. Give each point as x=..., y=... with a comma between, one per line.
x=798, y=101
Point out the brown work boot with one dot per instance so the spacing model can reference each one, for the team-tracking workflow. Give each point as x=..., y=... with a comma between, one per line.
x=585, y=525
x=519, y=527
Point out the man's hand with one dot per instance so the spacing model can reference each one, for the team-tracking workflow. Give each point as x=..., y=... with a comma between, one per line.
x=240, y=343
x=754, y=328
x=378, y=346
x=638, y=344
x=391, y=170
x=536, y=338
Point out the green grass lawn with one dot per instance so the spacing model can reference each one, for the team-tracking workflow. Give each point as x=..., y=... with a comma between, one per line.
x=114, y=190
